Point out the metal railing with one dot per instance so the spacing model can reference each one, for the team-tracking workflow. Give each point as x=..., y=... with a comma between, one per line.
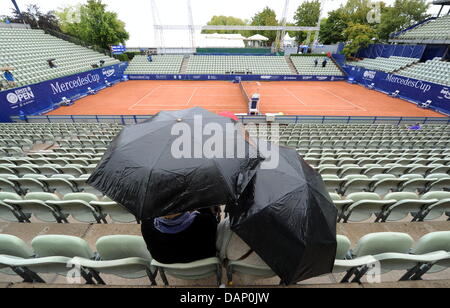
x=134, y=119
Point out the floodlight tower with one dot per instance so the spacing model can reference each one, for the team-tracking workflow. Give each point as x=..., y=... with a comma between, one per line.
x=279, y=42
x=158, y=31
x=316, y=35
x=191, y=24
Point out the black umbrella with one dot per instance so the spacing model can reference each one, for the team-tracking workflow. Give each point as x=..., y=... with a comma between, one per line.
x=287, y=217
x=143, y=169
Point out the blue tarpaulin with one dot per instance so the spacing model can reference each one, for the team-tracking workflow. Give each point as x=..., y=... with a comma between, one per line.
x=386, y=51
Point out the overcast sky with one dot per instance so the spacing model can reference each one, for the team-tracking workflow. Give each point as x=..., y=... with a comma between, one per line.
x=139, y=22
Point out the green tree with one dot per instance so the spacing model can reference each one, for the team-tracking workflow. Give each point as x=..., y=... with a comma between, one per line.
x=266, y=17
x=332, y=28
x=307, y=15
x=356, y=11
x=358, y=36
x=225, y=21
x=69, y=19
x=34, y=17
x=94, y=24
x=403, y=14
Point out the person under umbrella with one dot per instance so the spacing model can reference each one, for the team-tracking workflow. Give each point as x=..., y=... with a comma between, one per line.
x=163, y=167
x=181, y=238
x=287, y=217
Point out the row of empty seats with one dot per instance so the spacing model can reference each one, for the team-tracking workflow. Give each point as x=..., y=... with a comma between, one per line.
x=60, y=184
x=161, y=64
x=396, y=206
x=93, y=208
x=50, y=208
x=126, y=256
x=388, y=65
x=305, y=66
x=28, y=52
x=384, y=183
x=437, y=29
x=435, y=70
x=255, y=65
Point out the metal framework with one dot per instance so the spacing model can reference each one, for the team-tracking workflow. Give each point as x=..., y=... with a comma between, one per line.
x=279, y=42
x=159, y=28
x=254, y=28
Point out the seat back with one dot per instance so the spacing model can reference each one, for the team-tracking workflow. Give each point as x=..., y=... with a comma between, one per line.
x=80, y=196
x=116, y=247
x=233, y=248
x=9, y=195
x=432, y=242
x=62, y=246
x=363, y=196
x=439, y=195
x=401, y=196
x=343, y=246
x=11, y=245
x=42, y=196
x=384, y=242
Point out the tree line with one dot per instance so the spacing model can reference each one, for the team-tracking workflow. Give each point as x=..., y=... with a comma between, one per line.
x=92, y=22
x=357, y=22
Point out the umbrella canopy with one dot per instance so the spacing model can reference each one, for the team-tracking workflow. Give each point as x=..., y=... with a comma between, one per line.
x=229, y=114
x=287, y=217
x=170, y=164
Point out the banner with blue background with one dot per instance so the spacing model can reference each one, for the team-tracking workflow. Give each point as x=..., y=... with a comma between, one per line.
x=45, y=96
x=236, y=77
x=413, y=90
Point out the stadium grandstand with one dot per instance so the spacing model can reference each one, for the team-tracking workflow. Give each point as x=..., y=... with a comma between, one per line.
x=371, y=131
x=27, y=52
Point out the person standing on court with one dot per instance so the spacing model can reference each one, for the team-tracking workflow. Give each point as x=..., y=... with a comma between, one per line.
x=181, y=238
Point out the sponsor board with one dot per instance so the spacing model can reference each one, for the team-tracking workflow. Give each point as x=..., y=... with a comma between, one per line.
x=47, y=95
x=409, y=89
x=20, y=97
x=370, y=75
x=109, y=72
x=412, y=83
x=237, y=77
x=445, y=93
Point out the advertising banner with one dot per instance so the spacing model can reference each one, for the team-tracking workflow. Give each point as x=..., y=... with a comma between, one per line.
x=45, y=96
x=236, y=77
x=417, y=91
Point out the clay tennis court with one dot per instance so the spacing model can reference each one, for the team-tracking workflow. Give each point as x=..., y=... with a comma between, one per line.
x=290, y=98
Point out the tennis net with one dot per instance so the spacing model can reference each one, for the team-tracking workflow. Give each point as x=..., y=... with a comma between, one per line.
x=244, y=92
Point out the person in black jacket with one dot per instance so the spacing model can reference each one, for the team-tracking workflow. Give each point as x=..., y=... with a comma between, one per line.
x=181, y=238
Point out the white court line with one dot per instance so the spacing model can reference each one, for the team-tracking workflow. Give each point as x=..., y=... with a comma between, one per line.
x=297, y=110
x=192, y=96
x=294, y=96
x=145, y=96
x=343, y=99
x=192, y=86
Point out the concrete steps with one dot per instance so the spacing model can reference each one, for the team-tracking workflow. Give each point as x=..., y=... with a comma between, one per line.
x=291, y=65
x=184, y=64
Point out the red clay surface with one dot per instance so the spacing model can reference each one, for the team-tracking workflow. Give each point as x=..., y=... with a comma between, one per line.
x=290, y=98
